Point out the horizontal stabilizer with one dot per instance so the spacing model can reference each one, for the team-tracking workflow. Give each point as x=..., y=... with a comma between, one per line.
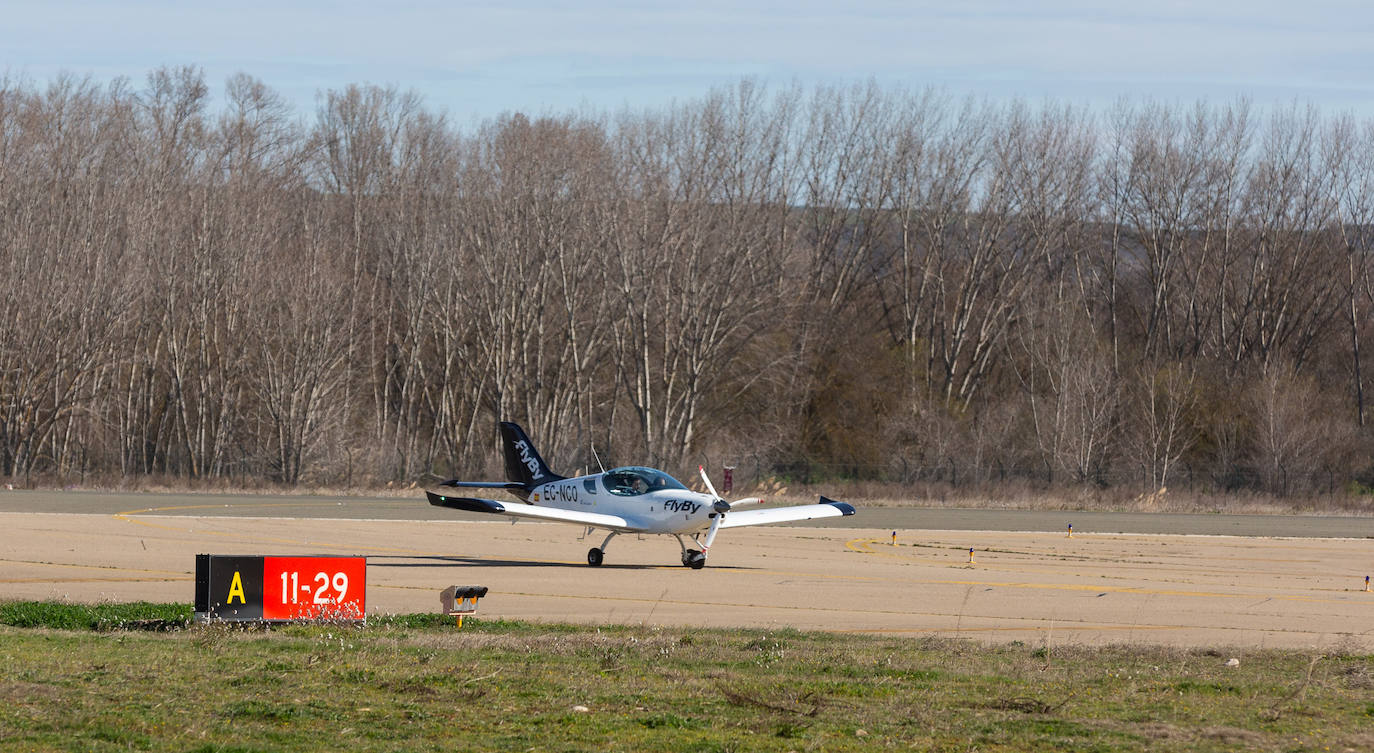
x=469, y=504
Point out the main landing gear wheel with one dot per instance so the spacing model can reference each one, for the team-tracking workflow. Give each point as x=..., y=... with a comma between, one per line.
x=693, y=559
x=594, y=555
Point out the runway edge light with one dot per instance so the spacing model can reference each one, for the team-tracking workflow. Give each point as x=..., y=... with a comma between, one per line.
x=460, y=601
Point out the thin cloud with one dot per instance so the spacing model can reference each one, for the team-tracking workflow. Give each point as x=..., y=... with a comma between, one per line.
x=479, y=59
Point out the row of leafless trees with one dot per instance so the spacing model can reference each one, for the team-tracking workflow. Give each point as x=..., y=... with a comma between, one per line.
x=858, y=281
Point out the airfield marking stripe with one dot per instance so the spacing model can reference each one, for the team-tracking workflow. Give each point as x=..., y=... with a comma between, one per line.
x=131, y=516
x=865, y=546
x=699, y=603
x=1141, y=537
x=128, y=517
x=94, y=579
x=1083, y=587
x=115, y=568
x=1004, y=584
x=223, y=505
x=1056, y=623
x=1153, y=557
x=139, y=521
x=736, y=605
x=1153, y=561
x=1074, y=628
x=1126, y=589
x=1022, y=566
x=851, y=544
x=1016, y=629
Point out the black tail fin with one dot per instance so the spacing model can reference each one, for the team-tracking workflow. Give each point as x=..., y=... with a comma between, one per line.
x=523, y=464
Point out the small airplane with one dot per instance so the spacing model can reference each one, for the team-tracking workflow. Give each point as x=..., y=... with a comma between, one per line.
x=631, y=499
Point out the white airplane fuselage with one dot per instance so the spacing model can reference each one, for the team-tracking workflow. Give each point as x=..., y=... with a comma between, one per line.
x=668, y=510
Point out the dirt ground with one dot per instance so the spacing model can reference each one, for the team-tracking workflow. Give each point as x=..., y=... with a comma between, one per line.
x=1043, y=588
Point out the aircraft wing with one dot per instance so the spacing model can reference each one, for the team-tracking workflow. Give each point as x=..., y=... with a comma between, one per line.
x=536, y=512
x=826, y=508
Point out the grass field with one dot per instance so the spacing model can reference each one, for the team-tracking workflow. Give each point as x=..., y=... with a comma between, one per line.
x=138, y=677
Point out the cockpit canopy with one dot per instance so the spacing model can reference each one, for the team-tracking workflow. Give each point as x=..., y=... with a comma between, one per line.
x=635, y=480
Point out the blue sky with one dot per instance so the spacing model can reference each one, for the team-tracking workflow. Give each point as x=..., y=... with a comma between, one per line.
x=478, y=60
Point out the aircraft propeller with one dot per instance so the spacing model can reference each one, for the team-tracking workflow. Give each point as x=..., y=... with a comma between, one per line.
x=721, y=507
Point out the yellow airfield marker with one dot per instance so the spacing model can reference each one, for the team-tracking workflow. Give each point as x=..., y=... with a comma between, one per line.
x=970, y=556
x=1366, y=584
x=894, y=538
x=1071, y=530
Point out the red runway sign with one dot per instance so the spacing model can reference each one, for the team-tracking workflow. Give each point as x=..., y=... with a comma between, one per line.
x=281, y=588
x=310, y=588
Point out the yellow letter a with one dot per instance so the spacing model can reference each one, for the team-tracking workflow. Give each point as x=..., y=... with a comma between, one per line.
x=236, y=587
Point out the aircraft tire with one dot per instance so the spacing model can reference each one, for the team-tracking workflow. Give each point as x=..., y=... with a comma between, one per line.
x=594, y=557
x=694, y=559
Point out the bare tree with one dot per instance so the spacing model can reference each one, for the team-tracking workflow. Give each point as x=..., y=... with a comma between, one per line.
x=1160, y=430
x=1172, y=191
x=361, y=133
x=1290, y=429
x=299, y=347
x=1284, y=299
x=1348, y=155
x=940, y=157
x=1071, y=389
x=535, y=196
x=698, y=257
x=62, y=264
